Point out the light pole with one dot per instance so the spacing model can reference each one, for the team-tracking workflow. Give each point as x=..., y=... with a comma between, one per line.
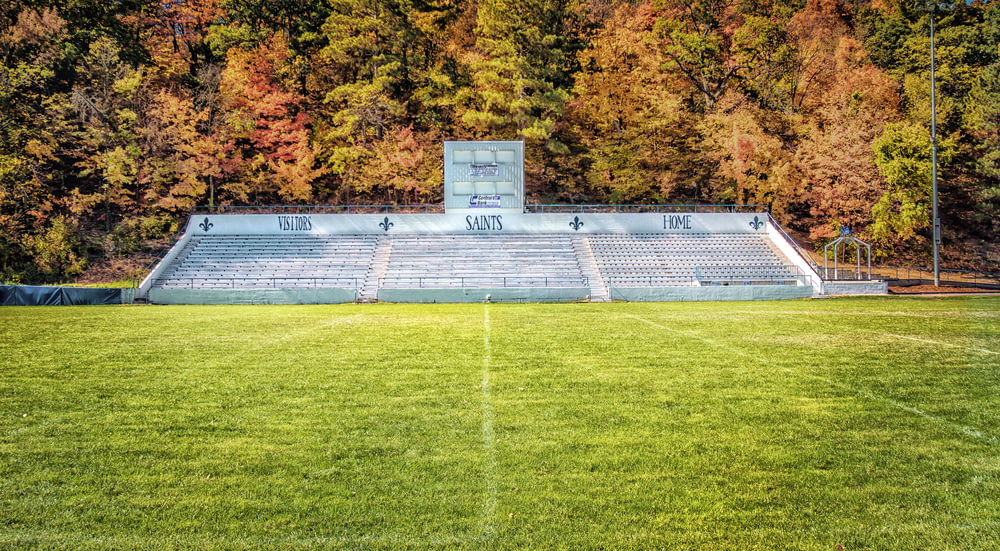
x=935, y=218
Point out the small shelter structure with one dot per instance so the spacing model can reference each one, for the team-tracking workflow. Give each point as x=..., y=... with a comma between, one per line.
x=846, y=239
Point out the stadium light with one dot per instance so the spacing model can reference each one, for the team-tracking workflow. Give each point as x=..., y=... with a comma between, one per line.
x=935, y=217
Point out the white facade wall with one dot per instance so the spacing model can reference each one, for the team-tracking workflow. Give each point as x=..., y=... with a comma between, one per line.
x=474, y=223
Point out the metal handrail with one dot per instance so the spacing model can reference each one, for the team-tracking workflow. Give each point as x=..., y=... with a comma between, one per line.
x=273, y=279
x=319, y=209
x=974, y=278
x=643, y=208
x=173, y=241
x=792, y=242
x=162, y=252
x=716, y=273
x=436, y=208
x=472, y=282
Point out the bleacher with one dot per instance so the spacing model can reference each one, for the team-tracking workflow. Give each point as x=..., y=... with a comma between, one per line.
x=474, y=261
x=482, y=261
x=435, y=258
x=656, y=260
x=270, y=262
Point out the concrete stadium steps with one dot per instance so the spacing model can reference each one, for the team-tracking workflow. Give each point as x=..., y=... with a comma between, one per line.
x=456, y=261
x=688, y=259
x=599, y=291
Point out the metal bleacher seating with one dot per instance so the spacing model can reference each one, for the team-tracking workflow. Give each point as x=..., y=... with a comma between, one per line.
x=449, y=261
x=657, y=260
x=270, y=261
x=442, y=261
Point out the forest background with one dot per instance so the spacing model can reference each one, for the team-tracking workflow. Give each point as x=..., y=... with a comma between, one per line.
x=117, y=118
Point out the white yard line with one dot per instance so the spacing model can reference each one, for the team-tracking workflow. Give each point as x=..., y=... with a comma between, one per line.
x=895, y=336
x=969, y=431
x=264, y=344
x=489, y=508
x=926, y=341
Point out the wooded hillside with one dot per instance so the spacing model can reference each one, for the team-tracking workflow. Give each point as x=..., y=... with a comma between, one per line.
x=117, y=118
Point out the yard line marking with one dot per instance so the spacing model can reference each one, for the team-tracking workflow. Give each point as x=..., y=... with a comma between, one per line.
x=969, y=431
x=489, y=508
x=272, y=343
x=928, y=341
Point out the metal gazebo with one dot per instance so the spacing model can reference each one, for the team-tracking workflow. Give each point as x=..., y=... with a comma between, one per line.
x=846, y=238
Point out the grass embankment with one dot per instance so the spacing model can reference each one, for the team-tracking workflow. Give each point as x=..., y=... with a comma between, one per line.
x=867, y=424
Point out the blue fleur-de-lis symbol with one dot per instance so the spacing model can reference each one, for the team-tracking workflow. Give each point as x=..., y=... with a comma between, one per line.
x=756, y=223
x=206, y=225
x=576, y=223
x=386, y=224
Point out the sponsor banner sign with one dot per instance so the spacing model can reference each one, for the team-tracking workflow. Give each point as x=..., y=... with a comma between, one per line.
x=484, y=201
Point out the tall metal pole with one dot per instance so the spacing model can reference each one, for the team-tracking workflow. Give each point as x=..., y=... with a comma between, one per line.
x=935, y=219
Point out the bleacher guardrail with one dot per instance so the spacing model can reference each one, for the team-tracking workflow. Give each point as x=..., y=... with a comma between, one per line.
x=478, y=282
x=925, y=275
x=142, y=289
x=556, y=208
x=320, y=209
x=715, y=275
x=651, y=208
x=231, y=282
x=805, y=256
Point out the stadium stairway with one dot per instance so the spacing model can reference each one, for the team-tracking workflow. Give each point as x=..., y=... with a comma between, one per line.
x=599, y=291
x=376, y=271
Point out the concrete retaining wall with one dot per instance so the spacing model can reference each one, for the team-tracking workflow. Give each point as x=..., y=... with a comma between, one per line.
x=252, y=296
x=508, y=294
x=844, y=288
x=711, y=292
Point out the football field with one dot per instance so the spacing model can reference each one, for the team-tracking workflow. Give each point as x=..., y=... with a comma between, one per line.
x=816, y=424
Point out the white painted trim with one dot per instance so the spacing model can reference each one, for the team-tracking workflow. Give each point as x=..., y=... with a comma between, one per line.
x=166, y=261
x=780, y=241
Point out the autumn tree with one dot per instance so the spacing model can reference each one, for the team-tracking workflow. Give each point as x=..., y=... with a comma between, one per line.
x=517, y=88
x=176, y=37
x=722, y=45
x=845, y=103
x=268, y=125
x=117, y=118
x=107, y=100
x=33, y=110
x=635, y=127
x=983, y=121
x=903, y=156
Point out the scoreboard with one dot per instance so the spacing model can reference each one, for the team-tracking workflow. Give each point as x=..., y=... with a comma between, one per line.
x=484, y=176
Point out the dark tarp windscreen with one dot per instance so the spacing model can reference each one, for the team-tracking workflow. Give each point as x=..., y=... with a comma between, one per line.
x=26, y=295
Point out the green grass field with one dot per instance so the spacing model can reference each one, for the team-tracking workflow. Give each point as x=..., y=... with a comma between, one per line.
x=853, y=423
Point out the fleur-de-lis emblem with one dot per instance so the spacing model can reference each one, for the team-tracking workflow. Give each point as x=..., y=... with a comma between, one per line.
x=576, y=224
x=756, y=223
x=386, y=224
x=206, y=225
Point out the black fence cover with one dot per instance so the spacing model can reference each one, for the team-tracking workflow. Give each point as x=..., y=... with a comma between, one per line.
x=29, y=295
